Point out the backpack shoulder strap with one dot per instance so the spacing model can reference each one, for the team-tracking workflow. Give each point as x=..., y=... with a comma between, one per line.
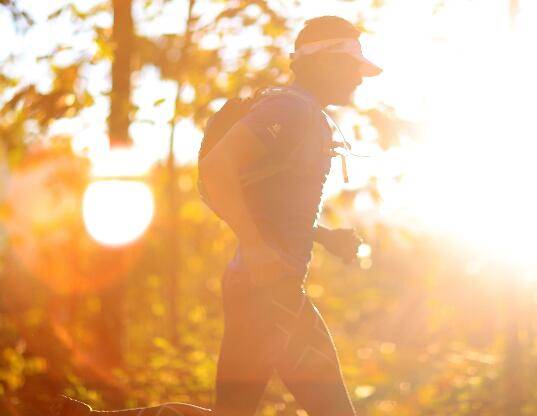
x=269, y=169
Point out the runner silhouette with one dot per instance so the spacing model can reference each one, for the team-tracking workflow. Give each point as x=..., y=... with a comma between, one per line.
x=271, y=325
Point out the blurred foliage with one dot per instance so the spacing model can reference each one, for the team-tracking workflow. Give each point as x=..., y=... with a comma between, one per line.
x=421, y=329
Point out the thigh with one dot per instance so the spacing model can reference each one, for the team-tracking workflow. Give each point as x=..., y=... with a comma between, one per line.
x=242, y=376
x=249, y=347
x=309, y=365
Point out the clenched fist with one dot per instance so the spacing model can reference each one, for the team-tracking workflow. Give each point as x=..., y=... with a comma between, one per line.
x=341, y=242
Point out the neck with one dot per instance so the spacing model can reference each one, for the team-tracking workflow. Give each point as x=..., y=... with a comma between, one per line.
x=313, y=90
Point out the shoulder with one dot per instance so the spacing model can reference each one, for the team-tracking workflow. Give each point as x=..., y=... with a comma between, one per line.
x=279, y=120
x=287, y=105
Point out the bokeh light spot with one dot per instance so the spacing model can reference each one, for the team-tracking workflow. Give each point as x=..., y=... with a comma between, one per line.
x=117, y=212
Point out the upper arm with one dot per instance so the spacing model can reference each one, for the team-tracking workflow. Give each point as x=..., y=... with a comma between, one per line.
x=240, y=145
x=272, y=127
x=278, y=122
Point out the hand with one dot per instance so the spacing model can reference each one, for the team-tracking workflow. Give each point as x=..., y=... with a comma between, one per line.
x=342, y=243
x=264, y=265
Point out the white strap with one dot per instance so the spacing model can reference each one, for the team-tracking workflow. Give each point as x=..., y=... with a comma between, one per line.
x=339, y=45
x=347, y=46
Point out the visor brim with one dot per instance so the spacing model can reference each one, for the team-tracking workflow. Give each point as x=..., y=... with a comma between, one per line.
x=368, y=68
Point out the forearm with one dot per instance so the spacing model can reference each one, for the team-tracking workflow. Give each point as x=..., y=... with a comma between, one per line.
x=222, y=184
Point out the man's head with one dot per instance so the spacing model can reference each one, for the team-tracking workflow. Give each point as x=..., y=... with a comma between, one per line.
x=328, y=59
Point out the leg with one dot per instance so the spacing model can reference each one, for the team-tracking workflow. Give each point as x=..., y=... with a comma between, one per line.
x=248, y=348
x=242, y=376
x=309, y=365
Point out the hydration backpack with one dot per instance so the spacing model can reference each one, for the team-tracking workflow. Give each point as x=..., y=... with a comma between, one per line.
x=222, y=121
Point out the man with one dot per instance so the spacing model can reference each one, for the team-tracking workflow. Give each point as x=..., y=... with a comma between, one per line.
x=271, y=325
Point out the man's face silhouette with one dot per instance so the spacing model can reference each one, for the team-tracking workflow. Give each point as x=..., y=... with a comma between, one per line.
x=339, y=75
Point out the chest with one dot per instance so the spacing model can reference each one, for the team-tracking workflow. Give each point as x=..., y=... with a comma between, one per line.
x=315, y=158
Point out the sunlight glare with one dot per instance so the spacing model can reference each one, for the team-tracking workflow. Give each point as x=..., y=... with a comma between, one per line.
x=117, y=212
x=473, y=177
x=125, y=161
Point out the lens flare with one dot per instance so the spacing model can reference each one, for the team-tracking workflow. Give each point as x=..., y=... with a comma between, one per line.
x=46, y=229
x=117, y=212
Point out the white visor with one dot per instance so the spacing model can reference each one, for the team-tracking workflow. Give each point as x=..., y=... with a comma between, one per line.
x=348, y=46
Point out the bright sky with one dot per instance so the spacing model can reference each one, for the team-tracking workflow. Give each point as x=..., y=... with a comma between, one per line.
x=472, y=177
x=462, y=70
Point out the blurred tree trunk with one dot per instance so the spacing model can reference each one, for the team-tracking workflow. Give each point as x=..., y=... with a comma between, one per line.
x=123, y=41
x=110, y=327
x=174, y=255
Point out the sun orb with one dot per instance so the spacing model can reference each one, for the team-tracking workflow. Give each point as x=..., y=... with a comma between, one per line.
x=117, y=212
